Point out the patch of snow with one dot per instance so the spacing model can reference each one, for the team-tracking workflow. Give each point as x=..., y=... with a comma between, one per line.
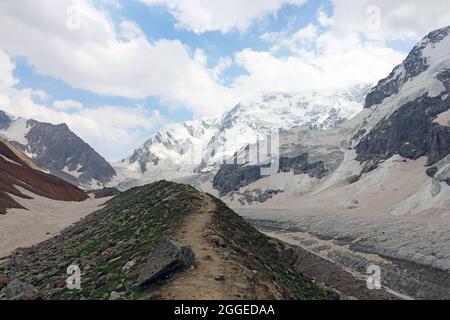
x=9, y=160
x=443, y=119
x=24, y=228
x=17, y=131
x=76, y=173
x=93, y=184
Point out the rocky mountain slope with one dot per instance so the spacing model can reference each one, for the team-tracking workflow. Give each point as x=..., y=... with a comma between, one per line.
x=18, y=173
x=57, y=149
x=385, y=189
x=180, y=150
x=406, y=118
x=161, y=241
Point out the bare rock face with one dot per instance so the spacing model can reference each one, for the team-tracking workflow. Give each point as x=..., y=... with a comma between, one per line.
x=410, y=132
x=168, y=257
x=413, y=65
x=231, y=177
x=60, y=151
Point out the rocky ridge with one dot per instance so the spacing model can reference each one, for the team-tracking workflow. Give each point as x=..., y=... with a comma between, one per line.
x=112, y=247
x=57, y=149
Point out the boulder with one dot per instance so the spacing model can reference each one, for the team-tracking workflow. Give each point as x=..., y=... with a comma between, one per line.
x=217, y=240
x=431, y=172
x=353, y=179
x=170, y=256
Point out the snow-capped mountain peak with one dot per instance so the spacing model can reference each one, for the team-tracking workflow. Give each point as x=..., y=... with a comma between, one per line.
x=422, y=65
x=174, y=150
x=58, y=150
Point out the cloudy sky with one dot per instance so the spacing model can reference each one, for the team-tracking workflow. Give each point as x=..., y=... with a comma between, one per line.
x=115, y=71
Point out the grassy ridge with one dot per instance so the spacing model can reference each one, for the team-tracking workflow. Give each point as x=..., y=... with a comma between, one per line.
x=125, y=232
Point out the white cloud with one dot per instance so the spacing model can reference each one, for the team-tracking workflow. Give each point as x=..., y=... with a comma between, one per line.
x=297, y=41
x=6, y=71
x=79, y=44
x=351, y=46
x=223, y=15
x=113, y=131
x=66, y=105
x=317, y=60
x=391, y=20
x=323, y=19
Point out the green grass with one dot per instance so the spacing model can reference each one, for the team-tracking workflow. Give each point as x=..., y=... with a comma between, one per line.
x=257, y=252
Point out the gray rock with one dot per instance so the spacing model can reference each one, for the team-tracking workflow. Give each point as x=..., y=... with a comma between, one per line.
x=116, y=295
x=301, y=165
x=231, y=177
x=410, y=132
x=431, y=172
x=56, y=148
x=217, y=240
x=16, y=288
x=170, y=256
x=353, y=179
x=4, y=120
x=413, y=65
x=130, y=264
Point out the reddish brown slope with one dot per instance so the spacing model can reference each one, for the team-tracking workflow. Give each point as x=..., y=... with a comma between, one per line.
x=17, y=170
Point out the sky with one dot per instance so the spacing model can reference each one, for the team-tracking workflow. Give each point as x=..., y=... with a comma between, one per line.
x=116, y=71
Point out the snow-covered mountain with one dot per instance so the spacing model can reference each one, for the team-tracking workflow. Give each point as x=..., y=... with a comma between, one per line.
x=58, y=150
x=170, y=154
x=393, y=157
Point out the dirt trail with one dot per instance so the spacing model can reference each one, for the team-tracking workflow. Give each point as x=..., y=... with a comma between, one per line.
x=215, y=277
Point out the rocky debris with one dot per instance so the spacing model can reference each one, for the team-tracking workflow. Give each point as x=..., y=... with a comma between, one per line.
x=419, y=251
x=170, y=256
x=216, y=240
x=17, y=290
x=254, y=196
x=104, y=193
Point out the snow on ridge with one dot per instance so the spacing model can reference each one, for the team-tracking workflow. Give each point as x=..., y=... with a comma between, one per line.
x=245, y=123
x=17, y=131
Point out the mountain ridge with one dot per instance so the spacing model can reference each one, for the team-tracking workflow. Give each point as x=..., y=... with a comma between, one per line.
x=169, y=153
x=112, y=247
x=57, y=149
